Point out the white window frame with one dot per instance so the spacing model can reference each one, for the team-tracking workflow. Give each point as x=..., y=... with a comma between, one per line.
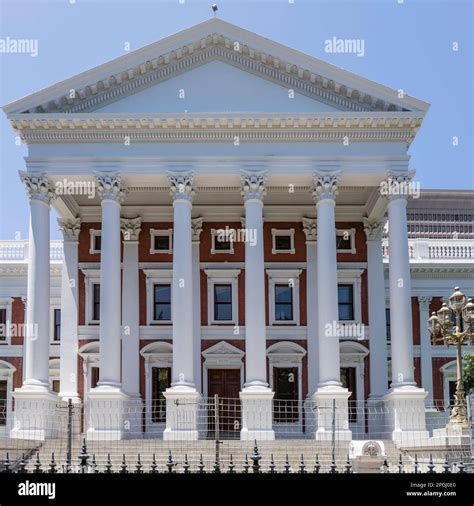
x=92, y=277
x=341, y=232
x=222, y=277
x=7, y=303
x=352, y=277
x=282, y=277
x=166, y=232
x=214, y=234
x=90, y=354
x=157, y=277
x=55, y=303
x=7, y=371
x=283, y=232
x=93, y=234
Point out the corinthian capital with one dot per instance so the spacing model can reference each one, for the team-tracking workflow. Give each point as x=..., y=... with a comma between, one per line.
x=70, y=229
x=253, y=185
x=374, y=228
x=398, y=186
x=325, y=185
x=181, y=185
x=110, y=186
x=38, y=186
x=131, y=228
x=309, y=229
x=424, y=303
x=196, y=224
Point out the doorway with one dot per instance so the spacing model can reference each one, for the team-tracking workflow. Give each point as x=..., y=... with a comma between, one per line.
x=226, y=384
x=348, y=380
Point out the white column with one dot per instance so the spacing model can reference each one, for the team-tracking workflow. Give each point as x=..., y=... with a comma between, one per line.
x=69, y=310
x=34, y=401
x=182, y=398
x=256, y=396
x=310, y=230
x=329, y=386
x=405, y=401
x=197, y=229
x=109, y=416
x=425, y=349
x=377, y=320
x=130, y=322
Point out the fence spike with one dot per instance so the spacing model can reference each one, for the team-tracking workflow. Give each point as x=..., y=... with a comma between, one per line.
x=461, y=467
x=124, y=467
x=94, y=464
x=84, y=456
x=139, y=469
x=333, y=466
x=287, y=466
x=201, y=465
x=317, y=465
x=385, y=467
x=400, y=465
x=446, y=465
x=153, y=465
x=7, y=465
x=302, y=465
x=108, y=465
x=246, y=464
x=22, y=465
x=256, y=458
x=217, y=465
x=231, y=465
x=186, y=465
x=272, y=465
x=431, y=466
x=38, y=469
x=348, y=466
x=52, y=465
x=417, y=465
x=170, y=463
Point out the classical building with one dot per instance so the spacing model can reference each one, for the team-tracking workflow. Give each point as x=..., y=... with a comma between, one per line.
x=234, y=219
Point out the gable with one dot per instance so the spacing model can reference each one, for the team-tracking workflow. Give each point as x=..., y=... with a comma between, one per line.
x=216, y=87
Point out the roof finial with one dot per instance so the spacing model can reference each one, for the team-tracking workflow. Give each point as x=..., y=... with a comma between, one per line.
x=214, y=9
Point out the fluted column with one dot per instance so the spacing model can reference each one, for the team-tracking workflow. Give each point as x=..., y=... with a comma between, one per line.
x=69, y=310
x=256, y=396
x=196, y=224
x=377, y=320
x=425, y=349
x=112, y=192
x=38, y=290
x=310, y=231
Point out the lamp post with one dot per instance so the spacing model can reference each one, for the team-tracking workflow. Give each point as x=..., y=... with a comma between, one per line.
x=454, y=325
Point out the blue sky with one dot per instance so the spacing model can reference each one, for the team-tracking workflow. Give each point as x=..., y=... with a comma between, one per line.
x=408, y=45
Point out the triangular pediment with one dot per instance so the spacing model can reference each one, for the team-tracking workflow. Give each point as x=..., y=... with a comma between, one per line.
x=140, y=81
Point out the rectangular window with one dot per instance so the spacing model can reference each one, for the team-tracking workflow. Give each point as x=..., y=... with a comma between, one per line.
x=161, y=380
x=98, y=242
x=57, y=325
x=56, y=386
x=3, y=324
x=345, y=295
x=286, y=394
x=388, y=327
x=283, y=303
x=161, y=243
x=343, y=242
x=162, y=303
x=222, y=244
x=283, y=242
x=94, y=376
x=222, y=302
x=96, y=301
x=3, y=402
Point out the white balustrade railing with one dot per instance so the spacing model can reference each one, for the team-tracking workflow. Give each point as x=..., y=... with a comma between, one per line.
x=17, y=251
x=436, y=249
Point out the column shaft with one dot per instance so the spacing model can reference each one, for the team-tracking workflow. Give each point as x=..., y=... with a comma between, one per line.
x=425, y=349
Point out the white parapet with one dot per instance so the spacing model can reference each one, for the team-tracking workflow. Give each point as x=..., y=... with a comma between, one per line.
x=406, y=416
x=331, y=411
x=257, y=403
x=182, y=409
x=108, y=414
x=35, y=414
x=451, y=435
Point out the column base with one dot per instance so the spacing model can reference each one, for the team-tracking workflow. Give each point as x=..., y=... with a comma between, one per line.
x=257, y=414
x=331, y=412
x=451, y=435
x=35, y=415
x=405, y=417
x=182, y=408
x=108, y=417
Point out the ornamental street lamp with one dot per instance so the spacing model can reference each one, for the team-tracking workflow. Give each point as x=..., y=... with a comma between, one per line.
x=454, y=325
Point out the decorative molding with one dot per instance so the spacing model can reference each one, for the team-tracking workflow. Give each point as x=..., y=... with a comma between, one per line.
x=131, y=228
x=253, y=185
x=110, y=186
x=424, y=303
x=325, y=186
x=374, y=229
x=196, y=225
x=70, y=229
x=310, y=229
x=396, y=185
x=181, y=185
x=38, y=186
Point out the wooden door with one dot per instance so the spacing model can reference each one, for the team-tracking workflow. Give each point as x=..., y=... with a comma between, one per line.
x=226, y=384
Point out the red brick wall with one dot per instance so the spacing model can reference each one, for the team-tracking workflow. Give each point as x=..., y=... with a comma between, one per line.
x=415, y=309
x=144, y=254
x=18, y=318
x=438, y=386
x=206, y=244
x=85, y=243
x=299, y=241
x=360, y=242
